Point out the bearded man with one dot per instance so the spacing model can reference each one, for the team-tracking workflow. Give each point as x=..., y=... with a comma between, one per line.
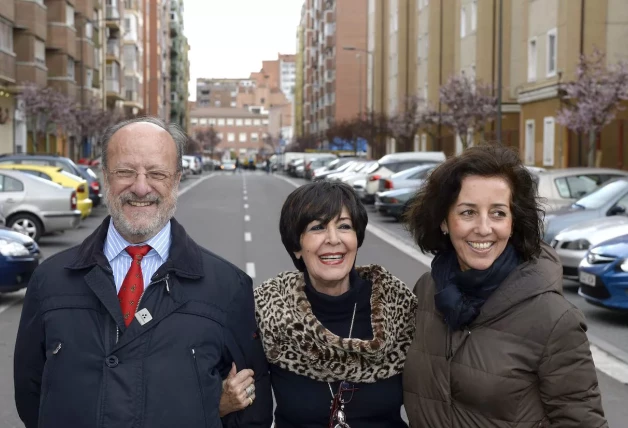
x=138, y=326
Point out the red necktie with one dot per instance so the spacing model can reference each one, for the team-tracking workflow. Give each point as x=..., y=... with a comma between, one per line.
x=133, y=284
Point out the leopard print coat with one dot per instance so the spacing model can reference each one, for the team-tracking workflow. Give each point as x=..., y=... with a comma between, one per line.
x=296, y=341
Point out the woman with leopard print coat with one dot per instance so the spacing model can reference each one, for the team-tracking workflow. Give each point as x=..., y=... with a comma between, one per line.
x=335, y=335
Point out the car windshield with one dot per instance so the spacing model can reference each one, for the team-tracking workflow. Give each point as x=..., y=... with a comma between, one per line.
x=72, y=176
x=372, y=167
x=228, y=163
x=91, y=173
x=603, y=195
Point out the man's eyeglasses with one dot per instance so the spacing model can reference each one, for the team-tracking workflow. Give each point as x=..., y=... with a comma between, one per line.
x=337, y=417
x=130, y=175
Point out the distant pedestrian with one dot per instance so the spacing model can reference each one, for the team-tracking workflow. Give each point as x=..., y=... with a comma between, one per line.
x=139, y=325
x=237, y=166
x=268, y=166
x=336, y=335
x=496, y=342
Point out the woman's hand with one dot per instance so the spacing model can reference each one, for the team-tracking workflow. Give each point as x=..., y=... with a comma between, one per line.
x=234, y=391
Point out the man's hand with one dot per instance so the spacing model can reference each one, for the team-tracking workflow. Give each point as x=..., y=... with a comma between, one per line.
x=234, y=391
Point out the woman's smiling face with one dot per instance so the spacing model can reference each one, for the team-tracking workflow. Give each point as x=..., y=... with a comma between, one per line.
x=329, y=252
x=479, y=222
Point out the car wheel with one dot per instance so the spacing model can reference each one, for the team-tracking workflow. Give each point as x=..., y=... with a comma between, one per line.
x=27, y=224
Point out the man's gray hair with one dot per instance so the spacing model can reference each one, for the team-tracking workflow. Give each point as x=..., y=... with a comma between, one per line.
x=177, y=134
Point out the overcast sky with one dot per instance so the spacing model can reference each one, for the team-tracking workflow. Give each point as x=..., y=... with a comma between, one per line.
x=230, y=38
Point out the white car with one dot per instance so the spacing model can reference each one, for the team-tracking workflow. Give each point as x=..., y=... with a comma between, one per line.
x=572, y=244
x=395, y=162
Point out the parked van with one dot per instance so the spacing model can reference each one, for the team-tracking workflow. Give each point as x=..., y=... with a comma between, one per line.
x=395, y=162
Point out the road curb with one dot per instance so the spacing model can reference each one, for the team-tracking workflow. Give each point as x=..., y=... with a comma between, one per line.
x=609, y=348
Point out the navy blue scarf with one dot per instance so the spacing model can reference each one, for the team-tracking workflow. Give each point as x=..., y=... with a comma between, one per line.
x=460, y=295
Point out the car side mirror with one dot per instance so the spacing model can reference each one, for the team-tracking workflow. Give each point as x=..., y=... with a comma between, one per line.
x=616, y=210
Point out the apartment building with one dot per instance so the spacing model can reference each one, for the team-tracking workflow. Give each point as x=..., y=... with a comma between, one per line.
x=297, y=111
x=133, y=57
x=287, y=75
x=242, y=131
x=219, y=92
x=179, y=65
x=49, y=43
x=334, y=78
x=416, y=45
x=548, y=38
x=114, y=66
x=157, y=58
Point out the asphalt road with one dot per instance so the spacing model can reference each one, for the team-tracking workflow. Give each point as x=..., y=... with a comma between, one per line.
x=236, y=216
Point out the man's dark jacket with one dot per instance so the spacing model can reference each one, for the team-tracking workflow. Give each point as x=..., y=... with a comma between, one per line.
x=72, y=368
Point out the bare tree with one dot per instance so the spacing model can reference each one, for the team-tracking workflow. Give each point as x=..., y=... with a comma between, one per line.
x=405, y=125
x=374, y=128
x=208, y=138
x=591, y=101
x=470, y=106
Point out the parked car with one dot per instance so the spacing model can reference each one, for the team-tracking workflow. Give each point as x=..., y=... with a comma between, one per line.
x=395, y=162
x=315, y=164
x=563, y=187
x=608, y=200
x=572, y=244
x=195, y=164
x=53, y=160
x=93, y=182
x=394, y=203
x=603, y=274
x=412, y=177
x=358, y=169
x=35, y=206
x=337, y=165
x=19, y=256
x=61, y=177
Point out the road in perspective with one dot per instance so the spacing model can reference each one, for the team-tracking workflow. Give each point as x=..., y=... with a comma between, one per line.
x=236, y=216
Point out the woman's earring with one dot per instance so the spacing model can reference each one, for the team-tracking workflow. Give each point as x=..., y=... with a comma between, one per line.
x=445, y=232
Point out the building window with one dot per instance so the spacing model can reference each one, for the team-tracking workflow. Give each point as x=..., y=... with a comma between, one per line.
x=265, y=122
x=217, y=103
x=242, y=137
x=127, y=25
x=532, y=61
x=6, y=36
x=69, y=15
x=529, y=142
x=474, y=15
x=548, y=141
x=463, y=22
x=203, y=121
x=89, y=78
x=194, y=121
x=239, y=122
x=220, y=136
x=70, y=68
x=247, y=122
x=221, y=122
x=231, y=137
x=257, y=122
x=89, y=30
x=551, y=53
x=230, y=122
x=233, y=104
x=40, y=53
x=254, y=137
x=212, y=121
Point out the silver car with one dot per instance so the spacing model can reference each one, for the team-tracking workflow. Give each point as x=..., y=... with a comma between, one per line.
x=413, y=177
x=34, y=206
x=562, y=187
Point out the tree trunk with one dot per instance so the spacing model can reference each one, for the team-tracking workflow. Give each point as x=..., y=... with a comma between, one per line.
x=592, y=137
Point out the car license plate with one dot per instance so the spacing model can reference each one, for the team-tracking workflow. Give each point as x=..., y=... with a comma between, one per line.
x=587, y=279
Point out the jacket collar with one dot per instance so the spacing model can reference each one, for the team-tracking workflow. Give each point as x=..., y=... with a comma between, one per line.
x=185, y=255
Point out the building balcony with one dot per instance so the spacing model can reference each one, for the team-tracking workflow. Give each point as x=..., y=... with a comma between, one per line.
x=132, y=99
x=63, y=85
x=330, y=41
x=114, y=89
x=28, y=72
x=7, y=10
x=32, y=17
x=131, y=5
x=85, y=52
x=112, y=17
x=85, y=7
x=7, y=67
x=61, y=37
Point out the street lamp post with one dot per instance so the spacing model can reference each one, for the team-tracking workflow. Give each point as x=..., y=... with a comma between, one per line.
x=499, y=73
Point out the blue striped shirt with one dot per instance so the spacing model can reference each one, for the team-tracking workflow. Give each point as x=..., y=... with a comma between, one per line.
x=120, y=260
